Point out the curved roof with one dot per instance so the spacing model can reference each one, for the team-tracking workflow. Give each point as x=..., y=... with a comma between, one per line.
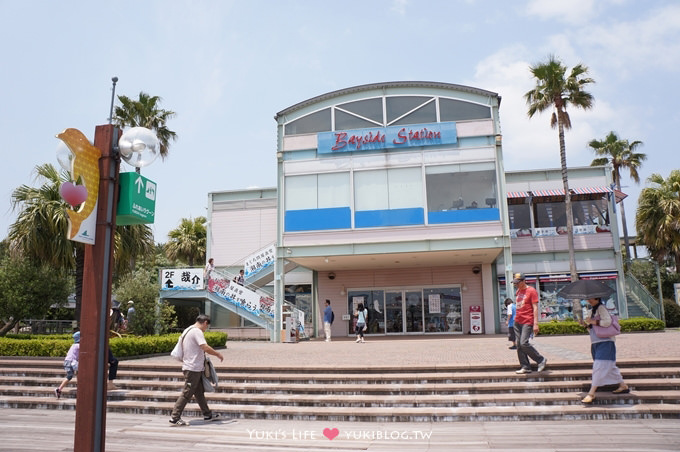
x=384, y=85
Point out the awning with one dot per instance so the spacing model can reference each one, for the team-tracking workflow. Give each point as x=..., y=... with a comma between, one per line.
x=590, y=190
x=546, y=193
x=620, y=196
x=517, y=194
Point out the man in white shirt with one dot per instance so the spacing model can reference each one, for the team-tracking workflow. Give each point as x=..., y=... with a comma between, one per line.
x=194, y=348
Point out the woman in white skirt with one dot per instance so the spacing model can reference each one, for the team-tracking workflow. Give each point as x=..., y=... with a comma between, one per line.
x=603, y=351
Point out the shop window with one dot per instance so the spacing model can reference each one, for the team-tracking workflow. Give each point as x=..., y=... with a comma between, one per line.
x=458, y=110
x=553, y=214
x=319, y=121
x=389, y=197
x=443, y=310
x=398, y=106
x=520, y=216
x=374, y=301
x=593, y=211
x=550, y=214
x=371, y=109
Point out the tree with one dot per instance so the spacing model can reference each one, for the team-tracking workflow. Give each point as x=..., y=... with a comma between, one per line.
x=130, y=242
x=554, y=90
x=146, y=112
x=622, y=156
x=28, y=290
x=142, y=286
x=188, y=241
x=658, y=217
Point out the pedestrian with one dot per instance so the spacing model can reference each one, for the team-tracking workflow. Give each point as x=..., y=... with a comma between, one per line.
x=362, y=321
x=510, y=306
x=194, y=348
x=70, y=363
x=526, y=324
x=113, y=371
x=240, y=278
x=209, y=267
x=603, y=351
x=328, y=317
x=131, y=314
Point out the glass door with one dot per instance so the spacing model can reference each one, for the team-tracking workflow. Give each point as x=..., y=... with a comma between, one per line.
x=394, y=307
x=414, y=311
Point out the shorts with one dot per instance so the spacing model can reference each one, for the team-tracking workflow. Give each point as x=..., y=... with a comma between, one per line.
x=70, y=369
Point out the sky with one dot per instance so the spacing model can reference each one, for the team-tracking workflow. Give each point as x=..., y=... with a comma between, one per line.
x=227, y=67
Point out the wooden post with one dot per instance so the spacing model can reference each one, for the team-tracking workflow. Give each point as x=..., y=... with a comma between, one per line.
x=90, y=430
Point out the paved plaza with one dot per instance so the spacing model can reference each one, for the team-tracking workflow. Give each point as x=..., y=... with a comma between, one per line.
x=51, y=430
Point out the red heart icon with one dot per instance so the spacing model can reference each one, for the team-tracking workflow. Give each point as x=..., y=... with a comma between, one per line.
x=331, y=433
x=73, y=194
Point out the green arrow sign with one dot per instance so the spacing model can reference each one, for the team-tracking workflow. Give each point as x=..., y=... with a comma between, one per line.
x=137, y=199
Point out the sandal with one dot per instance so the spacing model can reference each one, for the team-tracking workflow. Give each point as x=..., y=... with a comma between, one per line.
x=588, y=399
x=624, y=390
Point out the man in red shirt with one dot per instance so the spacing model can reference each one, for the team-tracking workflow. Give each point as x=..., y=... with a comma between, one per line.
x=526, y=323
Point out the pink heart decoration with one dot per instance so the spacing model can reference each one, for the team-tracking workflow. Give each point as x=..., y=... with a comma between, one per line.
x=73, y=194
x=331, y=433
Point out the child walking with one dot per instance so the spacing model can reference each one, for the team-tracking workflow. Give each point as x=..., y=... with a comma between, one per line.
x=70, y=363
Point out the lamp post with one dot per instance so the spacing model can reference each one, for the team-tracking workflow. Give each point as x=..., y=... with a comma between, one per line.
x=658, y=283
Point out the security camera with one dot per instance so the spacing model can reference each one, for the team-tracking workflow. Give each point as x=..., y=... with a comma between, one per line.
x=476, y=270
x=331, y=275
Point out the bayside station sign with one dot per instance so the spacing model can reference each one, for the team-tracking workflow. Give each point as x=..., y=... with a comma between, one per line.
x=387, y=137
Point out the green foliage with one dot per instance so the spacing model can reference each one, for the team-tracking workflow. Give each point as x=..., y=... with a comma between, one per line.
x=627, y=326
x=141, y=286
x=672, y=312
x=58, y=345
x=188, y=241
x=27, y=290
x=645, y=272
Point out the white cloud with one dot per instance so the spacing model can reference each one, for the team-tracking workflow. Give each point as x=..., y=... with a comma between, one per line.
x=399, y=7
x=572, y=11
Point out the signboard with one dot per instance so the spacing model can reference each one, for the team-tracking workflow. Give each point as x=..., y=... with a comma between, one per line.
x=434, y=303
x=137, y=199
x=476, y=319
x=377, y=138
x=182, y=279
x=257, y=262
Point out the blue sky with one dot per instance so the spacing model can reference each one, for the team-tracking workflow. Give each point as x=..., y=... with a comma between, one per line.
x=227, y=67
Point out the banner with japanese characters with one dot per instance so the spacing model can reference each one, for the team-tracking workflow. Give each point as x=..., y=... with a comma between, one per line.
x=260, y=260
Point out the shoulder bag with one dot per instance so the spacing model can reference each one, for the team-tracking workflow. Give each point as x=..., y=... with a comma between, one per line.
x=178, y=351
x=604, y=332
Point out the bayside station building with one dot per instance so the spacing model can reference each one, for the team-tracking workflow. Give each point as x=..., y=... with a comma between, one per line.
x=394, y=195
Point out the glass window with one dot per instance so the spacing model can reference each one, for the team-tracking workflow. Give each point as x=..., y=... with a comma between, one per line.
x=460, y=187
x=345, y=121
x=398, y=106
x=368, y=108
x=520, y=216
x=425, y=114
x=394, y=188
x=374, y=301
x=443, y=310
x=458, y=110
x=300, y=192
x=553, y=214
x=593, y=211
x=319, y=121
x=333, y=190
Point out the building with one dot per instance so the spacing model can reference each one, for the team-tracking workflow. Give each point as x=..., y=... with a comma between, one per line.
x=394, y=195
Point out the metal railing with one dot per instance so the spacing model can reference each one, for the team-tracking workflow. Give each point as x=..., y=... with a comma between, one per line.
x=37, y=326
x=642, y=297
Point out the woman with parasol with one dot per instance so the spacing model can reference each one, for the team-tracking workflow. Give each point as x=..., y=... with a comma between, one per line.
x=602, y=349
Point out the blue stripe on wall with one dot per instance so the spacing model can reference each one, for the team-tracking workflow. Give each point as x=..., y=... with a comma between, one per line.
x=318, y=219
x=463, y=216
x=393, y=217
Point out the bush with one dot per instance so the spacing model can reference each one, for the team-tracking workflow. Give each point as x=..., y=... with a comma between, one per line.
x=57, y=346
x=672, y=312
x=627, y=325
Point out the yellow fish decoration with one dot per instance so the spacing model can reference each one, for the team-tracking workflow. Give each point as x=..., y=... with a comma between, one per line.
x=85, y=165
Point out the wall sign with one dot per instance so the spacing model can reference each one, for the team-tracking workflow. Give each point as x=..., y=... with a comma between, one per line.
x=387, y=137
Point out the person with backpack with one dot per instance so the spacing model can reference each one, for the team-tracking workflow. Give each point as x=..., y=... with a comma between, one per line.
x=328, y=317
x=362, y=322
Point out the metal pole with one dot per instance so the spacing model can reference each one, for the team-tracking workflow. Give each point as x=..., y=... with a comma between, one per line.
x=114, y=79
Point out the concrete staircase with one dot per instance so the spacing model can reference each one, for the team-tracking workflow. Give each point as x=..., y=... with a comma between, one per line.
x=378, y=394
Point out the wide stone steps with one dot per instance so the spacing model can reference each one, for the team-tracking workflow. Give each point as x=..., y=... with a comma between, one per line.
x=388, y=393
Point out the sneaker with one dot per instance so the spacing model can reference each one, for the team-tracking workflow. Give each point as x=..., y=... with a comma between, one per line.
x=178, y=423
x=513, y=347
x=542, y=364
x=57, y=392
x=111, y=386
x=212, y=417
x=523, y=371
x=358, y=340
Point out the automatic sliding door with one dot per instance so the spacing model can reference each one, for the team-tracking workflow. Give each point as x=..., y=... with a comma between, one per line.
x=394, y=320
x=414, y=312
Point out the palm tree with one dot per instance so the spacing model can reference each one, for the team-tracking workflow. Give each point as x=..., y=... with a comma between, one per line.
x=658, y=217
x=554, y=90
x=188, y=241
x=145, y=112
x=39, y=232
x=622, y=156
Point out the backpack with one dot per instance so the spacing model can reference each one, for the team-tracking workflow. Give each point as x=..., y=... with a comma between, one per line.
x=332, y=317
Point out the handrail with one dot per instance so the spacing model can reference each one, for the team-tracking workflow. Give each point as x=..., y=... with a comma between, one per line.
x=642, y=295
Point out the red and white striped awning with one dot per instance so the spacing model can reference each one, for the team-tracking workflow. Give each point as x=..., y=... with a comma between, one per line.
x=590, y=190
x=543, y=193
x=517, y=194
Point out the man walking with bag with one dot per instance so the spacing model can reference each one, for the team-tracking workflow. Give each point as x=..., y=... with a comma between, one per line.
x=194, y=347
